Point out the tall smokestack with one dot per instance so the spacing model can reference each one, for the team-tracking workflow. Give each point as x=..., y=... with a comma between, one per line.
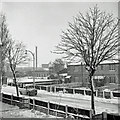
x=36, y=56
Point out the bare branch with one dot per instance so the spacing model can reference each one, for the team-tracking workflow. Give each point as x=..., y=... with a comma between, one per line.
x=93, y=37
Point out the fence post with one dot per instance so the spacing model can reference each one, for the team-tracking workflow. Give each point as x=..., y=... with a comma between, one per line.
x=73, y=91
x=11, y=99
x=39, y=87
x=1, y=96
x=33, y=103
x=66, y=111
x=111, y=94
x=104, y=116
x=96, y=93
x=103, y=94
x=48, y=108
x=84, y=92
x=55, y=89
x=29, y=103
x=50, y=88
x=91, y=114
x=64, y=90
x=47, y=88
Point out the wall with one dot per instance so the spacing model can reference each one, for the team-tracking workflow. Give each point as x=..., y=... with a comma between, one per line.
x=79, y=73
x=39, y=73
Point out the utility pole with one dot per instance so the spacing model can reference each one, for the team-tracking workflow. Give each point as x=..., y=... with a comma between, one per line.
x=119, y=66
x=36, y=56
x=33, y=55
x=0, y=69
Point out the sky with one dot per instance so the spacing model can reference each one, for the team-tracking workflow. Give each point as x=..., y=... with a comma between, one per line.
x=41, y=23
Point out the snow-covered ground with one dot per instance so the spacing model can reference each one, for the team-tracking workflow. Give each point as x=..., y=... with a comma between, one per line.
x=80, y=96
x=11, y=90
x=75, y=100
x=10, y=111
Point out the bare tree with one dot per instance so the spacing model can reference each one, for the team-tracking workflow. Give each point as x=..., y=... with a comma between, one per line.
x=92, y=38
x=16, y=56
x=5, y=40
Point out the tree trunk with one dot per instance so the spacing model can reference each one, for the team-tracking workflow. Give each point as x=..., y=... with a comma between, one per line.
x=14, y=77
x=2, y=70
x=16, y=84
x=92, y=96
x=92, y=91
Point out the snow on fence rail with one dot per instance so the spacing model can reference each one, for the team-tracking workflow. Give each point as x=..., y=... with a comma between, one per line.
x=101, y=94
x=51, y=108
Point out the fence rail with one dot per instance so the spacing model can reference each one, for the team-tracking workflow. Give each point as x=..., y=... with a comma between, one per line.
x=56, y=109
x=47, y=107
x=101, y=94
x=97, y=93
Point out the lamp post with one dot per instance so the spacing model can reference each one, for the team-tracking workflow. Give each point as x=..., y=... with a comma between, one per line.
x=33, y=66
x=119, y=66
x=0, y=68
x=82, y=73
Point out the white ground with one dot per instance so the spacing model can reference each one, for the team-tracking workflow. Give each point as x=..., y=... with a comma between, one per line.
x=10, y=111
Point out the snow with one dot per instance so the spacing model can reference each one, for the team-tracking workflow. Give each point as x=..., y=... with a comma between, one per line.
x=109, y=61
x=26, y=79
x=107, y=90
x=80, y=96
x=104, y=62
x=71, y=96
x=10, y=111
x=11, y=90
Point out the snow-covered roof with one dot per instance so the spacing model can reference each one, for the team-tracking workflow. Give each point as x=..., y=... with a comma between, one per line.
x=109, y=61
x=104, y=62
x=47, y=69
x=26, y=79
x=63, y=74
x=78, y=63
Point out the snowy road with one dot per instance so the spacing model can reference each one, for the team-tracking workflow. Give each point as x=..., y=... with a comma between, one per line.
x=73, y=100
x=79, y=102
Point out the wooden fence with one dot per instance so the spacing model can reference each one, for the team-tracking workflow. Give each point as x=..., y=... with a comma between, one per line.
x=51, y=108
x=56, y=109
x=101, y=94
x=106, y=116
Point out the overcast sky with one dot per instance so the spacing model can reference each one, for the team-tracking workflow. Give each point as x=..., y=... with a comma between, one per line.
x=40, y=23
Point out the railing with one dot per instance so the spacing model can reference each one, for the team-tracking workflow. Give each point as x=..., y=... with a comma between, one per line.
x=56, y=109
x=106, y=116
x=101, y=94
x=47, y=107
x=98, y=117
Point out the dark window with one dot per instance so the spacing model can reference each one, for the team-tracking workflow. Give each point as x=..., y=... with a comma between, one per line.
x=111, y=66
x=101, y=67
x=112, y=79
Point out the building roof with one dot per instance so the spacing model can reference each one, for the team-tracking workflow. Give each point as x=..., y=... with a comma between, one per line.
x=28, y=80
x=104, y=62
x=109, y=61
x=63, y=71
x=63, y=74
x=42, y=69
